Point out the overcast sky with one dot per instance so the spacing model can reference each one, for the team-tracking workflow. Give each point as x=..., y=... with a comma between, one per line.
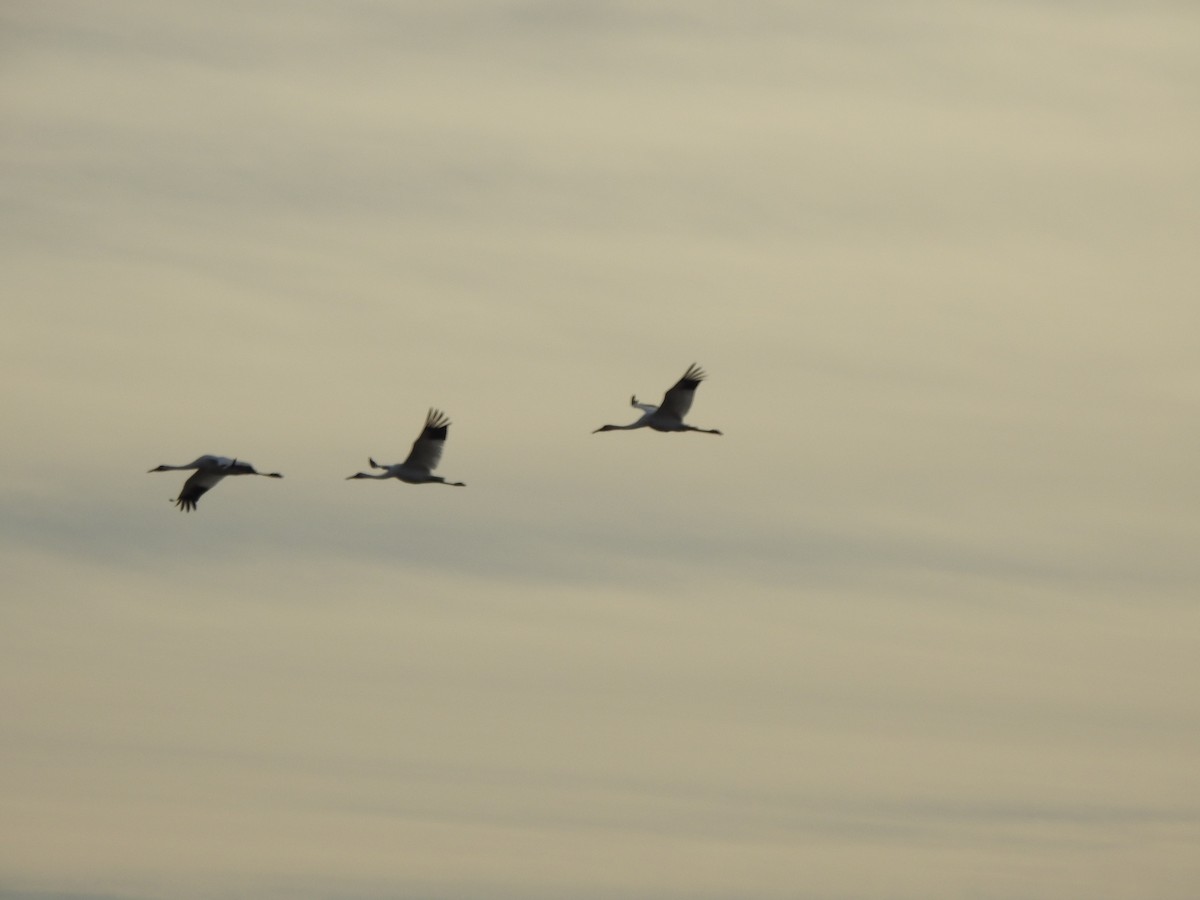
x=921, y=625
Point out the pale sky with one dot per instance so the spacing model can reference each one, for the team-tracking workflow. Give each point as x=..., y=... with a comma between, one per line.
x=921, y=625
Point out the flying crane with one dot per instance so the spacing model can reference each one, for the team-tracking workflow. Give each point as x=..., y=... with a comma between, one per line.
x=668, y=416
x=209, y=472
x=422, y=460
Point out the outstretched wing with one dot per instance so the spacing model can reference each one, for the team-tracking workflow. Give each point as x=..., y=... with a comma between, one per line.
x=678, y=400
x=427, y=449
x=200, y=483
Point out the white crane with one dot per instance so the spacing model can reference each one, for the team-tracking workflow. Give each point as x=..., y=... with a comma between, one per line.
x=675, y=405
x=209, y=472
x=423, y=459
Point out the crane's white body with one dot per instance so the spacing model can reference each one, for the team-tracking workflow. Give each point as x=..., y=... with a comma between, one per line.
x=210, y=470
x=426, y=453
x=668, y=416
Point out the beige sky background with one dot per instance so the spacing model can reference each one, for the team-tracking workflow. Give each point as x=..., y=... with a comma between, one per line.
x=921, y=625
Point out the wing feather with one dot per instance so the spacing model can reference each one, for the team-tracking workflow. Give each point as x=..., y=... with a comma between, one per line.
x=427, y=448
x=678, y=400
x=200, y=483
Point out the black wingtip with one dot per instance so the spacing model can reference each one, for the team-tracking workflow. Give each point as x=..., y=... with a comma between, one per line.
x=691, y=378
x=437, y=419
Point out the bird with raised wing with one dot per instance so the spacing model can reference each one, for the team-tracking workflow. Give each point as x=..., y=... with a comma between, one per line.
x=422, y=460
x=209, y=472
x=668, y=416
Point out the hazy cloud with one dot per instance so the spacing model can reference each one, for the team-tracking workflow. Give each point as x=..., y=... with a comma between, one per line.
x=920, y=624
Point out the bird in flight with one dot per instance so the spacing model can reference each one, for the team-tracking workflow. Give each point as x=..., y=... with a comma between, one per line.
x=668, y=416
x=422, y=460
x=209, y=472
